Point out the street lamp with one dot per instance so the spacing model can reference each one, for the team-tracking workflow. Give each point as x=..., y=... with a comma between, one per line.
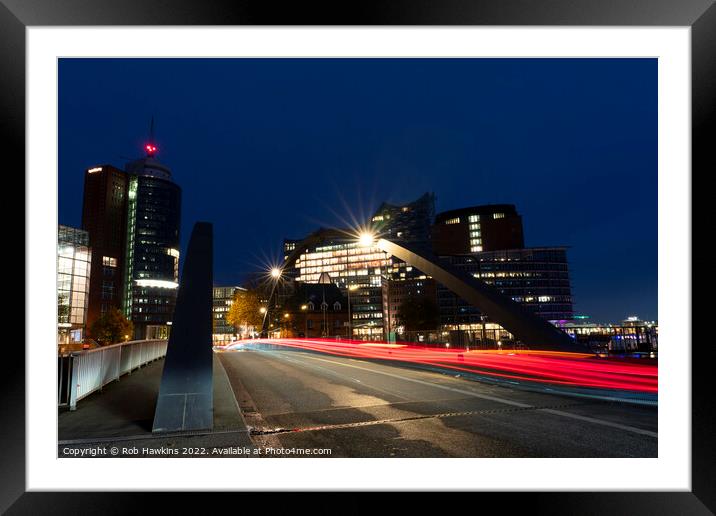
x=350, y=319
x=305, y=321
x=366, y=239
x=275, y=273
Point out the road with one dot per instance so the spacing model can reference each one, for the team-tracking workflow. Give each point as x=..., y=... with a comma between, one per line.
x=357, y=408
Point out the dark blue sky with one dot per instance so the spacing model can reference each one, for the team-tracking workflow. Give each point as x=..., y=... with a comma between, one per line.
x=273, y=148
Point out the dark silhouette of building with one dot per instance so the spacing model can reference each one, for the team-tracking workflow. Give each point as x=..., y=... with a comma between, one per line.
x=104, y=213
x=479, y=228
x=396, y=292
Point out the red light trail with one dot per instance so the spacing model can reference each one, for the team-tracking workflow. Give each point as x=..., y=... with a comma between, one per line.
x=548, y=367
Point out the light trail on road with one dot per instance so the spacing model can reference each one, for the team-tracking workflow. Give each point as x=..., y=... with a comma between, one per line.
x=547, y=367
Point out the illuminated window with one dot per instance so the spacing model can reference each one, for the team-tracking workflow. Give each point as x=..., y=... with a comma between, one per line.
x=473, y=218
x=498, y=215
x=455, y=220
x=108, y=261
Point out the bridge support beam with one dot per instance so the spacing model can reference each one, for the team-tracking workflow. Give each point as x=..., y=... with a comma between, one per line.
x=186, y=392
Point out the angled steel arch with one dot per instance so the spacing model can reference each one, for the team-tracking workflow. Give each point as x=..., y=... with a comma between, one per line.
x=527, y=327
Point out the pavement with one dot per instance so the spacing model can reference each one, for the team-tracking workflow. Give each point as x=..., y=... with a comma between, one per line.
x=121, y=416
x=289, y=403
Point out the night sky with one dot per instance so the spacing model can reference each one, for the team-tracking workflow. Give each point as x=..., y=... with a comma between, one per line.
x=274, y=148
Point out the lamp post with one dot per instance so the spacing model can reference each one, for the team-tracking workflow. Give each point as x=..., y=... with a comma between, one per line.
x=367, y=239
x=305, y=320
x=350, y=318
x=276, y=275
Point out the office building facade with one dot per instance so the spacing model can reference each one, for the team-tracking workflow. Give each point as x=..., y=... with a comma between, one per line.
x=223, y=298
x=104, y=215
x=537, y=278
x=476, y=229
x=74, y=265
x=152, y=246
x=349, y=264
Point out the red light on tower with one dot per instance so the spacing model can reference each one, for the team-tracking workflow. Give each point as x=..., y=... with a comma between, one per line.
x=151, y=149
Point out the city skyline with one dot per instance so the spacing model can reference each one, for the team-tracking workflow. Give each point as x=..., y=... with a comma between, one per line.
x=256, y=197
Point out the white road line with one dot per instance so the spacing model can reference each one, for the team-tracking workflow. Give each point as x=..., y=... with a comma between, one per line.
x=600, y=422
x=596, y=421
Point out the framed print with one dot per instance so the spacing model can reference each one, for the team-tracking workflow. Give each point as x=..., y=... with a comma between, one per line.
x=440, y=248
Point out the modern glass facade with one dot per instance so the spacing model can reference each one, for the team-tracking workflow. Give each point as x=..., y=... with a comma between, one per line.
x=537, y=278
x=73, y=282
x=152, y=251
x=350, y=264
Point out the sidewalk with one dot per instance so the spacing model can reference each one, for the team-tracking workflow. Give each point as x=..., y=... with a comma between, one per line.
x=123, y=412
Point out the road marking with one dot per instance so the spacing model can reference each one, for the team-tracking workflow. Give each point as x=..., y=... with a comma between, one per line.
x=388, y=421
x=596, y=421
x=601, y=422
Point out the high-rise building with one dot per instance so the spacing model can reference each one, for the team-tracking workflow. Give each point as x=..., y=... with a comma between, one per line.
x=480, y=228
x=152, y=246
x=104, y=214
x=74, y=259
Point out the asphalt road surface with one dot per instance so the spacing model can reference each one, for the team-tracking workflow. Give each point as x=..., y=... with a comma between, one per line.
x=299, y=400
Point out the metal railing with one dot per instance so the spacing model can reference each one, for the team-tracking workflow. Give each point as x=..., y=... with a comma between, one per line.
x=84, y=372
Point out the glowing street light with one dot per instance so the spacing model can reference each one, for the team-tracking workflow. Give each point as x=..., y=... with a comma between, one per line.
x=275, y=272
x=262, y=310
x=366, y=239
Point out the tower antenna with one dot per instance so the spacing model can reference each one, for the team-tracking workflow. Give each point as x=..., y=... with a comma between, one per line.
x=151, y=147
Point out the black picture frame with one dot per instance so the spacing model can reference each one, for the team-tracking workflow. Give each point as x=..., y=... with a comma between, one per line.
x=700, y=15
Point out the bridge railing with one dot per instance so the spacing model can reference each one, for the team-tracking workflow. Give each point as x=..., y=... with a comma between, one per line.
x=84, y=372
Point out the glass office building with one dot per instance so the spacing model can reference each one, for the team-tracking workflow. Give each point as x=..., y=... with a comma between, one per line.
x=537, y=278
x=73, y=281
x=351, y=265
x=152, y=249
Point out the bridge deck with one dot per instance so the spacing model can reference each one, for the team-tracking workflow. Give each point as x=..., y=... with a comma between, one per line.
x=124, y=410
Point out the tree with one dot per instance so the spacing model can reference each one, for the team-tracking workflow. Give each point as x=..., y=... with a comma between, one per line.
x=245, y=310
x=418, y=313
x=111, y=327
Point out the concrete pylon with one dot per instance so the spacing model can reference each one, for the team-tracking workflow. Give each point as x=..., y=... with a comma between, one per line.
x=185, y=400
